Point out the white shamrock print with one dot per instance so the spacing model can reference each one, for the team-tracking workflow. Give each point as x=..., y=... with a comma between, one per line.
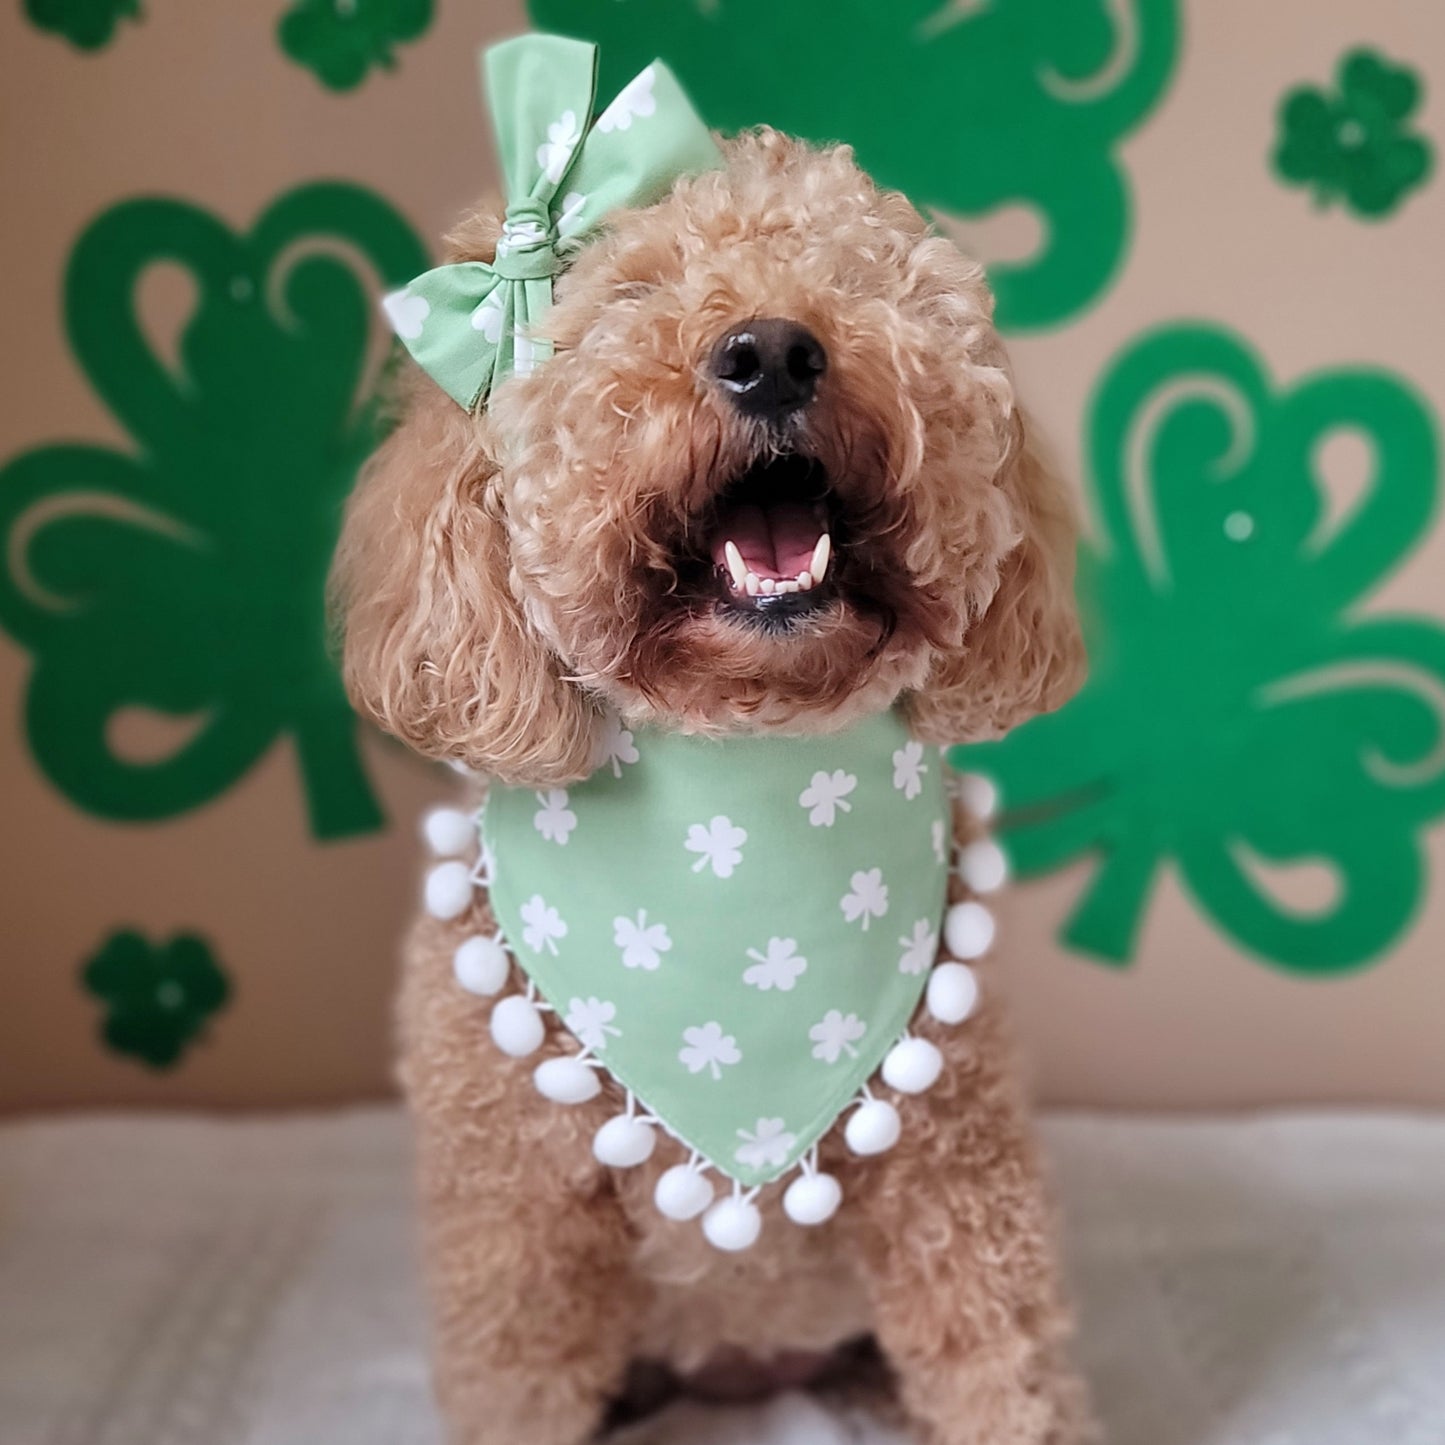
x=516, y=234
x=544, y=925
x=940, y=833
x=766, y=1144
x=524, y=356
x=554, y=820
x=570, y=216
x=835, y=1034
x=634, y=99
x=908, y=769
x=615, y=745
x=778, y=968
x=826, y=796
x=556, y=151
x=919, y=948
x=707, y=1047
x=590, y=1019
x=487, y=318
x=642, y=943
x=719, y=844
x=867, y=899
x=407, y=313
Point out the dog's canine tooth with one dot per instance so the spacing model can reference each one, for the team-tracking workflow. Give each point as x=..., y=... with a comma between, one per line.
x=751, y=585
x=821, y=555
x=736, y=566
x=769, y=586
x=805, y=581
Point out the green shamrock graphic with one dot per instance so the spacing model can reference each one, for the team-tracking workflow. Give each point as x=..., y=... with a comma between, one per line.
x=157, y=997
x=87, y=24
x=187, y=578
x=1355, y=145
x=967, y=105
x=342, y=39
x=1243, y=710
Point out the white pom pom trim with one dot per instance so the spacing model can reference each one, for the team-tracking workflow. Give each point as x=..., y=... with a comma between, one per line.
x=968, y=930
x=448, y=890
x=683, y=1192
x=449, y=832
x=733, y=1224
x=978, y=794
x=482, y=965
x=983, y=865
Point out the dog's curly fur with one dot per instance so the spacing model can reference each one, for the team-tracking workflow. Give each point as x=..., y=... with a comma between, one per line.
x=504, y=577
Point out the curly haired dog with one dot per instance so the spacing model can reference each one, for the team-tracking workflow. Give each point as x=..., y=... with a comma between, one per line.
x=504, y=576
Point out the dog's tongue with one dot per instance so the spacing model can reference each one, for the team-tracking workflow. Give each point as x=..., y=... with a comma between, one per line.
x=776, y=539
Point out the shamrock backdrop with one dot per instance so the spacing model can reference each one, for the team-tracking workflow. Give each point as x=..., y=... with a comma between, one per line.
x=1217, y=265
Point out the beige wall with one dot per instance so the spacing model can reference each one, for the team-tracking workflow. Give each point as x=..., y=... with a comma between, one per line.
x=195, y=102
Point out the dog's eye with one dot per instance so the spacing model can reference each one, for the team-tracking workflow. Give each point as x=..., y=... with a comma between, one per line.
x=635, y=290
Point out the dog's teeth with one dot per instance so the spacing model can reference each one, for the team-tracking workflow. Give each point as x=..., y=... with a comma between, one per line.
x=736, y=566
x=791, y=585
x=805, y=581
x=769, y=586
x=751, y=585
x=821, y=555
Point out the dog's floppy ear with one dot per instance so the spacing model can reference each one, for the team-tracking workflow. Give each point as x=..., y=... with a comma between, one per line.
x=436, y=649
x=1022, y=653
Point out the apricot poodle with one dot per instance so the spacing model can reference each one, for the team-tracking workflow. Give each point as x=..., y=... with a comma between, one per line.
x=775, y=479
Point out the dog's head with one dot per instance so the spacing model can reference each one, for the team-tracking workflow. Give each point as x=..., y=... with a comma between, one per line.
x=774, y=476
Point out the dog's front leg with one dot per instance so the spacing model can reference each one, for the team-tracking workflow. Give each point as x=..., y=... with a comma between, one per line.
x=957, y=1244
x=531, y=1302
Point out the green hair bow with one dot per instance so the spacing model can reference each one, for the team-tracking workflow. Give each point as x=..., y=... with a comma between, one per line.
x=470, y=324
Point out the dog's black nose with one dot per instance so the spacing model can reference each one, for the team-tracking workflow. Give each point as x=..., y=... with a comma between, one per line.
x=769, y=367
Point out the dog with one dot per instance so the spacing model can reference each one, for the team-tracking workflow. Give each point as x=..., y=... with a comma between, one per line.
x=775, y=338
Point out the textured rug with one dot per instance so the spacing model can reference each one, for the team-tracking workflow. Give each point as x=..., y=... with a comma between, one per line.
x=1279, y=1281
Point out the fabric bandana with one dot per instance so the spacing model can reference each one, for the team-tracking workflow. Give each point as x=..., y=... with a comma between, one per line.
x=468, y=325
x=740, y=932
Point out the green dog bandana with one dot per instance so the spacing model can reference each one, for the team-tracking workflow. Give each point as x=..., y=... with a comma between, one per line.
x=468, y=325
x=739, y=931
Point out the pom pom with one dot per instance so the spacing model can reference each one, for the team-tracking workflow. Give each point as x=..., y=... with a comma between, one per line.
x=517, y=1026
x=624, y=1142
x=968, y=930
x=873, y=1128
x=912, y=1065
x=566, y=1081
x=448, y=890
x=983, y=866
x=979, y=795
x=449, y=832
x=732, y=1224
x=682, y=1193
x=812, y=1199
x=952, y=992
x=481, y=964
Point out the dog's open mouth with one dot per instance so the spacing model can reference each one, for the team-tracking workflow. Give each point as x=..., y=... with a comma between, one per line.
x=771, y=538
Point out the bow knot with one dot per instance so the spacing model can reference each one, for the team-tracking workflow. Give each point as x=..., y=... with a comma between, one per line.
x=527, y=247
x=468, y=325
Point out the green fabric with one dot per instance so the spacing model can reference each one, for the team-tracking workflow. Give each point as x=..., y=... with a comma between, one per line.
x=739, y=929
x=469, y=325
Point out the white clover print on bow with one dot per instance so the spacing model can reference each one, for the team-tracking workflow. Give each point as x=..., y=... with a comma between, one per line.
x=471, y=323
